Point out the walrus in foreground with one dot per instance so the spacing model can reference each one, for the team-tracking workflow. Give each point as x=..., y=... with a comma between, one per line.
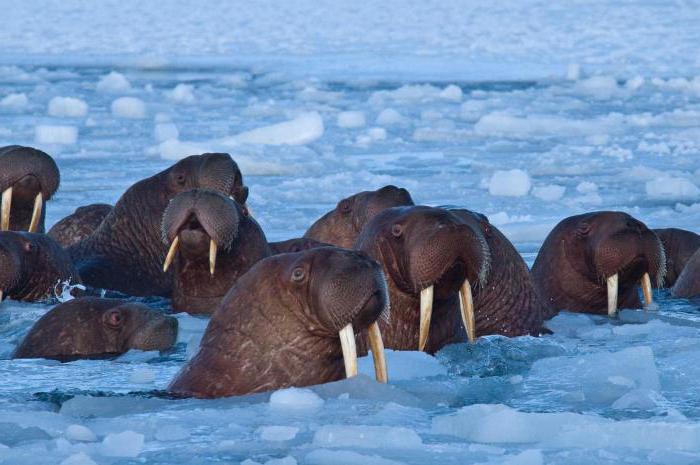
x=33, y=267
x=126, y=252
x=90, y=327
x=212, y=242
x=80, y=224
x=28, y=178
x=290, y=321
x=679, y=246
x=433, y=261
x=595, y=262
x=342, y=225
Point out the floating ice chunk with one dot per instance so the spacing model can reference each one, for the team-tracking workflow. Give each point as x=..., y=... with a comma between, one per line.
x=549, y=193
x=642, y=399
x=598, y=87
x=81, y=458
x=587, y=187
x=113, y=82
x=389, y=117
x=295, y=398
x=129, y=107
x=573, y=72
x=511, y=183
x=672, y=188
x=12, y=434
x=14, y=101
x=404, y=365
x=60, y=135
x=367, y=437
x=351, y=119
x=125, y=444
x=277, y=433
x=182, y=93
x=172, y=433
x=452, y=93
x=303, y=129
x=80, y=433
x=68, y=107
x=345, y=457
x=165, y=131
x=142, y=376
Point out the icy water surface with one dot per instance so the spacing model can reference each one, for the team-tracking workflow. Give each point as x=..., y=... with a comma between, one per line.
x=596, y=391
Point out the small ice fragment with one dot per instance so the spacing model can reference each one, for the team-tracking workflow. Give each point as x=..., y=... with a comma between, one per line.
x=81, y=458
x=295, y=398
x=113, y=82
x=351, y=119
x=80, y=433
x=389, y=117
x=125, y=444
x=452, y=93
x=549, y=193
x=277, y=433
x=182, y=93
x=14, y=101
x=303, y=129
x=68, y=107
x=60, y=135
x=510, y=183
x=165, y=131
x=129, y=107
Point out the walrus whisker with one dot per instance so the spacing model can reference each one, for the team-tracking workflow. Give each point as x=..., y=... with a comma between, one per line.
x=212, y=256
x=466, y=307
x=36, y=213
x=347, y=343
x=6, y=206
x=171, y=254
x=612, y=295
x=426, y=312
x=377, y=345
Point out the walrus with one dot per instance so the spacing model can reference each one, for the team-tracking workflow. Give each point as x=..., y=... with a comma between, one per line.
x=33, y=267
x=28, y=178
x=688, y=283
x=679, y=246
x=212, y=242
x=433, y=261
x=594, y=262
x=343, y=224
x=90, y=327
x=80, y=224
x=296, y=245
x=126, y=253
x=290, y=321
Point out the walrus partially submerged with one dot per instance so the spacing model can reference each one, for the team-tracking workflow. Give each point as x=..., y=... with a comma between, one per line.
x=80, y=224
x=33, y=267
x=91, y=327
x=28, y=179
x=126, y=252
x=679, y=246
x=595, y=262
x=290, y=321
x=688, y=283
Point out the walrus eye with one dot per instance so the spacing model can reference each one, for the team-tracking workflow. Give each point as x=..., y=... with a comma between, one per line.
x=28, y=247
x=344, y=207
x=298, y=275
x=397, y=230
x=180, y=178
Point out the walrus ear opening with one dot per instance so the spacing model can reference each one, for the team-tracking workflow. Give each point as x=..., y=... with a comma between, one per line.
x=240, y=194
x=113, y=319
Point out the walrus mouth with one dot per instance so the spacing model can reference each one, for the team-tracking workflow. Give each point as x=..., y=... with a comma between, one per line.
x=7, y=206
x=347, y=343
x=466, y=308
x=213, y=250
x=613, y=289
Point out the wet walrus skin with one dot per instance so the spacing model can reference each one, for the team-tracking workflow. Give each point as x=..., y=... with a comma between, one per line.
x=688, y=283
x=583, y=251
x=80, y=224
x=91, y=327
x=298, y=244
x=679, y=246
x=33, y=267
x=278, y=325
x=126, y=252
x=28, y=178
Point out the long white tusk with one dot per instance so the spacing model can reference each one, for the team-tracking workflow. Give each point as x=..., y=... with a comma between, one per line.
x=36, y=213
x=377, y=346
x=171, y=254
x=466, y=306
x=612, y=295
x=6, y=206
x=646, y=289
x=347, y=343
x=212, y=256
x=426, y=312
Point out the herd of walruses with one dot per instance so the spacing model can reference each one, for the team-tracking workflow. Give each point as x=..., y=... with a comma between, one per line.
x=377, y=271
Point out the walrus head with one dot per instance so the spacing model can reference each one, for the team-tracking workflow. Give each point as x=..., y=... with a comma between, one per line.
x=28, y=178
x=290, y=320
x=203, y=228
x=430, y=254
x=342, y=225
x=597, y=257
x=91, y=327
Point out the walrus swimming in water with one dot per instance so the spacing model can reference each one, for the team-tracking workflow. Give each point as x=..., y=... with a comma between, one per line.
x=342, y=225
x=90, y=327
x=28, y=178
x=290, y=321
x=126, y=252
x=80, y=224
x=212, y=242
x=433, y=261
x=679, y=246
x=594, y=263
x=33, y=267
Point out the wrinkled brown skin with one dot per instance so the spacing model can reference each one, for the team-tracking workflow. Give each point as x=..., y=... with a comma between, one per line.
x=679, y=246
x=342, y=225
x=688, y=283
x=296, y=245
x=582, y=251
x=80, y=224
x=196, y=217
x=508, y=303
x=33, y=266
x=278, y=325
x=126, y=252
x=28, y=171
x=419, y=246
x=91, y=327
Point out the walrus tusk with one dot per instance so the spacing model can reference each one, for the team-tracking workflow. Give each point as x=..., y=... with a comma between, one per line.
x=0, y=295
x=466, y=307
x=426, y=312
x=36, y=213
x=171, y=254
x=347, y=343
x=612, y=295
x=646, y=289
x=377, y=346
x=6, y=206
x=212, y=256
